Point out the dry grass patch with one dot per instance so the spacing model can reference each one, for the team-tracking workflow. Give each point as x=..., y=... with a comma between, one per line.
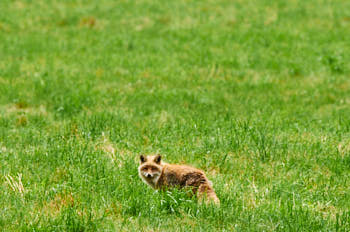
x=23, y=107
x=54, y=207
x=15, y=184
x=114, y=153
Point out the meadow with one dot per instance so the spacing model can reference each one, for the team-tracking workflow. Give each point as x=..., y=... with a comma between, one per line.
x=254, y=92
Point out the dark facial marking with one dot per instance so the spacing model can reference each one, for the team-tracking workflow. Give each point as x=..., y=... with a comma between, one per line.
x=158, y=159
x=142, y=159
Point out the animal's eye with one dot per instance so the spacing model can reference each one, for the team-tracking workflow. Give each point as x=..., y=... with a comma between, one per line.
x=144, y=169
x=154, y=169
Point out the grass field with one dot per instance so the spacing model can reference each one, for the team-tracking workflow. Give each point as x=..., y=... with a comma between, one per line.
x=254, y=92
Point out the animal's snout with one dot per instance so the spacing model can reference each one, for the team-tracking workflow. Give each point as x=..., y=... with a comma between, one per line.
x=148, y=175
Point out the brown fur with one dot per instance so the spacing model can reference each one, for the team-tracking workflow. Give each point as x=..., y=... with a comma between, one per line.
x=160, y=175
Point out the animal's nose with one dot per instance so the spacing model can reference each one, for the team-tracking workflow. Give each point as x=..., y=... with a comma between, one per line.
x=149, y=175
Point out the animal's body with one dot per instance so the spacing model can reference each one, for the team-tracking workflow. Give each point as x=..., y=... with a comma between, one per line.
x=159, y=175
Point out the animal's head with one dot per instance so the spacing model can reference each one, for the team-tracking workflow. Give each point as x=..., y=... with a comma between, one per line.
x=150, y=167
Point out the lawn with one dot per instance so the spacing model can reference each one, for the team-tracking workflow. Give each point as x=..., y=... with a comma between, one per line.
x=254, y=92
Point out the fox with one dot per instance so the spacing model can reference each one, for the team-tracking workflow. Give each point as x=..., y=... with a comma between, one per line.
x=160, y=175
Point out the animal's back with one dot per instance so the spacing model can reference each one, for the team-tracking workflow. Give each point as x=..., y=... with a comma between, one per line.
x=182, y=175
x=187, y=176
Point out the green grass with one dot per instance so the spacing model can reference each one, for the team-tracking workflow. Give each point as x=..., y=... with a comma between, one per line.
x=254, y=92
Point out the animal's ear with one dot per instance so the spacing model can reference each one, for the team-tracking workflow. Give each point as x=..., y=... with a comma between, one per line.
x=142, y=158
x=157, y=159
